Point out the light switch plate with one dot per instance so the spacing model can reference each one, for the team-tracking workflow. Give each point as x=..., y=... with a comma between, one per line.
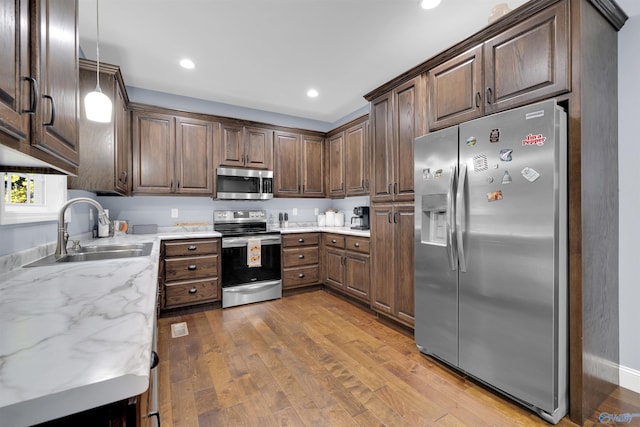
x=174, y=213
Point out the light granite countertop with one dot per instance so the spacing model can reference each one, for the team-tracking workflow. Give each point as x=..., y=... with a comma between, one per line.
x=79, y=335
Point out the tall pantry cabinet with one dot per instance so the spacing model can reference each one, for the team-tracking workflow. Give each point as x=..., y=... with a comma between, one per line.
x=561, y=49
x=397, y=118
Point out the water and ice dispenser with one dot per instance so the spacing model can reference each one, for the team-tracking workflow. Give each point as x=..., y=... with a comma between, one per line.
x=434, y=219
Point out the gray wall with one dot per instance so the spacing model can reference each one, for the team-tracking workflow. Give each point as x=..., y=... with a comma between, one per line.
x=15, y=238
x=185, y=103
x=157, y=210
x=629, y=156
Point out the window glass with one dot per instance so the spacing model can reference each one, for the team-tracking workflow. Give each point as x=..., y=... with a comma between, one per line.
x=31, y=197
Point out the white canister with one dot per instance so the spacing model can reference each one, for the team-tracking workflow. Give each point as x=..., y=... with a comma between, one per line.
x=339, y=221
x=331, y=218
x=322, y=220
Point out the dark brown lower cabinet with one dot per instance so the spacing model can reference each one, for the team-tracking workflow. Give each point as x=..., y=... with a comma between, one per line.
x=300, y=260
x=392, y=270
x=347, y=266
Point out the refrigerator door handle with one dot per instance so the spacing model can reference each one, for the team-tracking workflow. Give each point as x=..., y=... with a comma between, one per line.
x=451, y=226
x=460, y=218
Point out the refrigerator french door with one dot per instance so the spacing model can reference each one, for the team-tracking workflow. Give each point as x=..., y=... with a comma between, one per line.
x=491, y=252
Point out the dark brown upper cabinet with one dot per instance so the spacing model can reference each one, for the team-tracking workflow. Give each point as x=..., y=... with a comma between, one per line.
x=397, y=118
x=172, y=154
x=105, y=158
x=525, y=63
x=299, y=165
x=39, y=101
x=246, y=147
x=348, y=160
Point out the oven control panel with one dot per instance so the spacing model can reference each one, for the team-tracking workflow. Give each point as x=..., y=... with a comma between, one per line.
x=254, y=215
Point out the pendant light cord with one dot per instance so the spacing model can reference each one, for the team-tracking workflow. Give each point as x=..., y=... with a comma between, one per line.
x=98, y=89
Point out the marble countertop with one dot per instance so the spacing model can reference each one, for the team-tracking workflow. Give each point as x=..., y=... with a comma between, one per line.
x=79, y=335
x=337, y=230
x=76, y=336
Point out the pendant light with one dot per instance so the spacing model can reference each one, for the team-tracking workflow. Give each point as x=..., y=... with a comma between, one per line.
x=428, y=4
x=98, y=105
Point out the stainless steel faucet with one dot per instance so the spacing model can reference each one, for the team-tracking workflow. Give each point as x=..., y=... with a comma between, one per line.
x=63, y=235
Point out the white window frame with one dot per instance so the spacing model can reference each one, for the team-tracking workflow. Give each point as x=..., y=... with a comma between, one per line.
x=53, y=195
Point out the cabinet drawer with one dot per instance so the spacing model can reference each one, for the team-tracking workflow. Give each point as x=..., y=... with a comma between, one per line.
x=300, y=276
x=190, y=267
x=190, y=247
x=357, y=244
x=191, y=292
x=300, y=256
x=302, y=239
x=334, y=240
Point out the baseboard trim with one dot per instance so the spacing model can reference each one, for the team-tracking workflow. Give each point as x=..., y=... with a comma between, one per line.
x=630, y=378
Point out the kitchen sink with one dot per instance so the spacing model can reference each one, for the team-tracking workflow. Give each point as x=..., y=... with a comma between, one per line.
x=97, y=253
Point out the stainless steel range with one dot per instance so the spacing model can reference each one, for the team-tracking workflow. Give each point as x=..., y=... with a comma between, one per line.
x=250, y=257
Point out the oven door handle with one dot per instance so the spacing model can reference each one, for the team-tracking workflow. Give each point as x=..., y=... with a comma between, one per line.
x=251, y=288
x=242, y=241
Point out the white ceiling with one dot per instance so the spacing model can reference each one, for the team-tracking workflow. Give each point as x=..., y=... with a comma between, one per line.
x=266, y=54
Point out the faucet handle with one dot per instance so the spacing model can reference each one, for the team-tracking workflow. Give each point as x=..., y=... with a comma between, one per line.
x=76, y=245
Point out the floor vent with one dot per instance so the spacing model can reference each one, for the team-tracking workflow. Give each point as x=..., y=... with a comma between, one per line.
x=179, y=330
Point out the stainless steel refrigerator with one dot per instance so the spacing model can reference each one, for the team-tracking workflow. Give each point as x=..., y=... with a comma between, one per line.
x=491, y=252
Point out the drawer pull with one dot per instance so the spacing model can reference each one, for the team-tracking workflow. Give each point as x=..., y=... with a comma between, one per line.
x=192, y=248
x=357, y=245
x=193, y=291
x=192, y=267
x=333, y=241
x=300, y=256
x=300, y=240
x=301, y=275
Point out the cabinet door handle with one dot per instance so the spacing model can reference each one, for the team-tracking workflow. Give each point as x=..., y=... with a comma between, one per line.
x=395, y=217
x=395, y=188
x=389, y=189
x=34, y=95
x=193, y=291
x=301, y=240
x=246, y=158
x=53, y=110
x=301, y=275
x=489, y=95
x=192, y=267
x=301, y=256
x=155, y=414
x=389, y=217
x=192, y=248
x=478, y=99
x=178, y=185
x=356, y=244
x=171, y=184
x=154, y=359
x=333, y=240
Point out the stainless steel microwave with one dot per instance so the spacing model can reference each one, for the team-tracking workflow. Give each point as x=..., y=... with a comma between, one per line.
x=244, y=184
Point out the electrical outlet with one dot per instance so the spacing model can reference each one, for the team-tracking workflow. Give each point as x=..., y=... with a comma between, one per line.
x=295, y=211
x=174, y=213
x=316, y=211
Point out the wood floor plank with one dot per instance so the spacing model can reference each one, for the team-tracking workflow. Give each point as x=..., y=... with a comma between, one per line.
x=314, y=359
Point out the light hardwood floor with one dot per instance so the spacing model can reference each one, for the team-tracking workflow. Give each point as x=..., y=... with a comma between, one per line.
x=313, y=360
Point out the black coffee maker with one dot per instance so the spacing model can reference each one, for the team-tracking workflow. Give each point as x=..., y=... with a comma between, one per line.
x=361, y=219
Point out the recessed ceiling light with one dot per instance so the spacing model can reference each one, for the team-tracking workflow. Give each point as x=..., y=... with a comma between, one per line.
x=428, y=4
x=187, y=63
x=312, y=93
